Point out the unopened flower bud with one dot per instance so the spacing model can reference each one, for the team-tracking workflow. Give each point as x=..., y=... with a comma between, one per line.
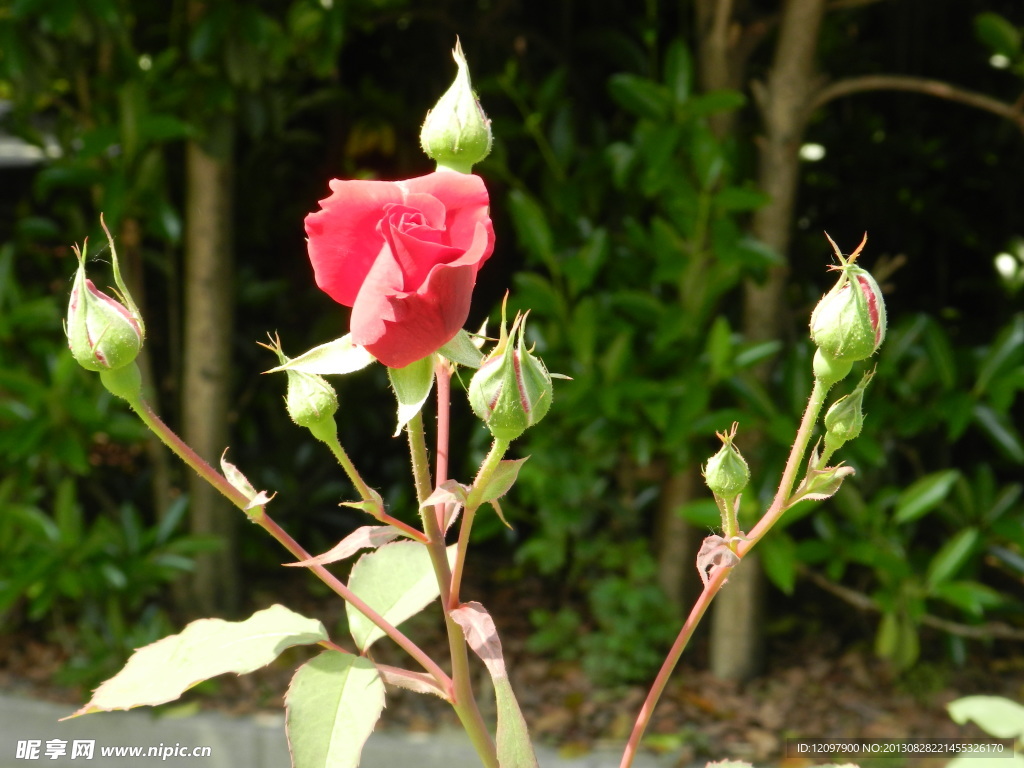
x=727, y=473
x=828, y=370
x=457, y=133
x=849, y=322
x=512, y=391
x=310, y=401
x=103, y=334
x=844, y=420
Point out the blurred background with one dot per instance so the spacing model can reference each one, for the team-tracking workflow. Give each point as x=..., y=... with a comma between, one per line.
x=662, y=176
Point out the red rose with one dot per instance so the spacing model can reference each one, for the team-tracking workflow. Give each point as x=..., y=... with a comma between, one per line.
x=404, y=255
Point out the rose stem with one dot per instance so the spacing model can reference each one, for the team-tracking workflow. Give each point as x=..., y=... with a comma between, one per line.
x=330, y=439
x=259, y=516
x=483, y=476
x=443, y=374
x=778, y=506
x=463, y=700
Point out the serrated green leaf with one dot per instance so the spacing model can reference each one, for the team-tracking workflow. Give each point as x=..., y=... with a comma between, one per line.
x=335, y=357
x=332, y=704
x=924, y=495
x=162, y=671
x=397, y=580
x=995, y=715
x=412, y=385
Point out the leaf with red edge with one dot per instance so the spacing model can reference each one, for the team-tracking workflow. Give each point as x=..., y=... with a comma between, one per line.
x=366, y=537
x=513, y=738
x=162, y=671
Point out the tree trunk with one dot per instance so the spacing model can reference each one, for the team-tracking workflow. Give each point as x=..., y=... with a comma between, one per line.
x=207, y=357
x=674, y=537
x=736, y=632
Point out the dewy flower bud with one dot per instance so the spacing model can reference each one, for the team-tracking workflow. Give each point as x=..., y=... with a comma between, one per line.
x=512, y=390
x=845, y=418
x=849, y=322
x=457, y=133
x=727, y=473
x=103, y=334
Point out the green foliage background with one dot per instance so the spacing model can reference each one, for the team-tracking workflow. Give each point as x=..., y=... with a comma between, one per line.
x=622, y=223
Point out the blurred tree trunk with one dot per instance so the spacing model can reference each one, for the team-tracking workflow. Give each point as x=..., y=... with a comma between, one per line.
x=207, y=356
x=675, y=539
x=736, y=632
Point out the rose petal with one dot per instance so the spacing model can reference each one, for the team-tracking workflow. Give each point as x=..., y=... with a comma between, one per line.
x=343, y=237
x=400, y=328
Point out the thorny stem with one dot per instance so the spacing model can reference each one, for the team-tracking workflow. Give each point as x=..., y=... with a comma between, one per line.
x=483, y=476
x=259, y=516
x=720, y=574
x=330, y=439
x=463, y=699
x=443, y=376
x=669, y=665
x=793, y=464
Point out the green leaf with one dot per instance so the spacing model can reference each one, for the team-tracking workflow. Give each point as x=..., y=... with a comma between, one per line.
x=924, y=495
x=532, y=229
x=1000, y=431
x=678, y=71
x=995, y=715
x=778, y=556
x=412, y=386
x=502, y=480
x=462, y=350
x=162, y=671
x=642, y=97
x=397, y=580
x=512, y=738
x=997, y=34
x=717, y=101
x=952, y=556
x=897, y=640
x=332, y=704
x=1004, y=350
x=364, y=537
x=335, y=357
x=969, y=596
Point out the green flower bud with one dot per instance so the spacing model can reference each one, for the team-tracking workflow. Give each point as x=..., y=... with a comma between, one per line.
x=457, y=133
x=512, y=390
x=828, y=370
x=844, y=420
x=310, y=401
x=103, y=334
x=727, y=473
x=849, y=322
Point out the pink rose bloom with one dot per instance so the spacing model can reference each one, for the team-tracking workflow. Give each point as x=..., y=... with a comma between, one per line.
x=404, y=255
